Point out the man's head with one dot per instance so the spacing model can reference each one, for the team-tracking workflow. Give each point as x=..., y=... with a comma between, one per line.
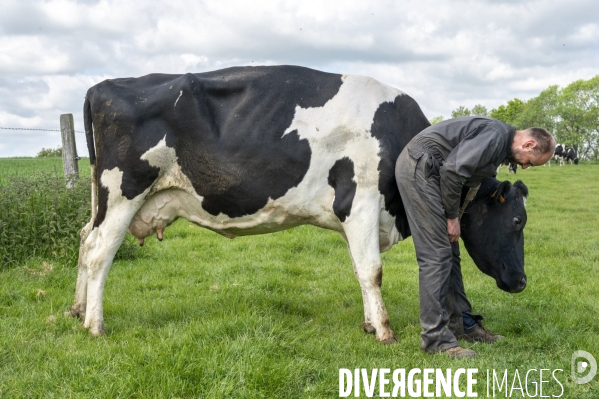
x=532, y=147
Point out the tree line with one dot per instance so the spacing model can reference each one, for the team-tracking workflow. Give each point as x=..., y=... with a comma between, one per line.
x=50, y=152
x=571, y=113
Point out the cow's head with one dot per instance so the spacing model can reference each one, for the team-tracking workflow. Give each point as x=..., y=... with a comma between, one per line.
x=492, y=228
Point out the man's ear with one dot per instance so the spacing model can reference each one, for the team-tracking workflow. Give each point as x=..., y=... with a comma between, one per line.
x=529, y=144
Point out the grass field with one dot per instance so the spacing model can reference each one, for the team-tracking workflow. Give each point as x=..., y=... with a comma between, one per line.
x=20, y=167
x=277, y=316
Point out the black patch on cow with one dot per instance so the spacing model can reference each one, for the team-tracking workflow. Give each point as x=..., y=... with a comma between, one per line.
x=341, y=178
x=227, y=128
x=394, y=125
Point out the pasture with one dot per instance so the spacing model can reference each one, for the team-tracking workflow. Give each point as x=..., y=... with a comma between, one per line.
x=21, y=167
x=273, y=316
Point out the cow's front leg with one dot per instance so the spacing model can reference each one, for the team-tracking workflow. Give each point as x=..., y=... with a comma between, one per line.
x=362, y=235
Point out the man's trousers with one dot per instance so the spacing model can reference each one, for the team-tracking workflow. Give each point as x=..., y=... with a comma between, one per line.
x=442, y=295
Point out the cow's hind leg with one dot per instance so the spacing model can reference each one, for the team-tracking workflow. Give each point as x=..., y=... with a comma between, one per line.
x=362, y=235
x=101, y=246
x=78, y=308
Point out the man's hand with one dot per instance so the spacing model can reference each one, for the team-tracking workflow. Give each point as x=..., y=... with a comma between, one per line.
x=453, y=229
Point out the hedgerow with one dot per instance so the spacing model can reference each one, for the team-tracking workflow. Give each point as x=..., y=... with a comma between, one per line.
x=40, y=217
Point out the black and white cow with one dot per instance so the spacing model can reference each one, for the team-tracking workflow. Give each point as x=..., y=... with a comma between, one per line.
x=570, y=155
x=511, y=167
x=559, y=155
x=253, y=150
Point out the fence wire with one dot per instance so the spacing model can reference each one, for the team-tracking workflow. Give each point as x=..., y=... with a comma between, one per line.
x=40, y=130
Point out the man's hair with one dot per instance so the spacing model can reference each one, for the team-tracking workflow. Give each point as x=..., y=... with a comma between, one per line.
x=544, y=139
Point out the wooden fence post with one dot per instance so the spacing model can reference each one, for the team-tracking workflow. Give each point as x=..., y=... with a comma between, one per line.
x=69, y=149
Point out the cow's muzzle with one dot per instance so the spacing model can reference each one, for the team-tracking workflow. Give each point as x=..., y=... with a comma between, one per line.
x=521, y=284
x=513, y=288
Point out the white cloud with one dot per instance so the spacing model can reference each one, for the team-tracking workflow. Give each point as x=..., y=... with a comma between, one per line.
x=444, y=54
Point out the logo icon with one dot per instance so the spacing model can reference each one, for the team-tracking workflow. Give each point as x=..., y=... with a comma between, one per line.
x=581, y=367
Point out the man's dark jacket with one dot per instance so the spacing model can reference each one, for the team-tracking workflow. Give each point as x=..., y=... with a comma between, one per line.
x=470, y=149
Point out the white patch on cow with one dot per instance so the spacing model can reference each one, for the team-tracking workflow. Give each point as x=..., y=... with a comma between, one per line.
x=112, y=179
x=524, y=201
x=341, y=128
x=163, y=157
x=177, y=100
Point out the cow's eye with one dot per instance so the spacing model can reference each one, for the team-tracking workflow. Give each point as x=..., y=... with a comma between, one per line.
x=517, y=221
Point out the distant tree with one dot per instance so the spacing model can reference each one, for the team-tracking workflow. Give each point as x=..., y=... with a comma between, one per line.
x=479, y=110
x=436, y=119
x=542, y=111
x=460, y=111
x=578, y=109
x=510, y=113
x=50, y=152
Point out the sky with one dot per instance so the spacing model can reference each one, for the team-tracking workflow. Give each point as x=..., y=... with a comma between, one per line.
x=442, y=53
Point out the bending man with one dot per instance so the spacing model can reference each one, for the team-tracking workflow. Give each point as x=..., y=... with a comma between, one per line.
x=430, y=174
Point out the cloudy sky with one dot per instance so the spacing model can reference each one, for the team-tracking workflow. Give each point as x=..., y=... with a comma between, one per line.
x=444, y=53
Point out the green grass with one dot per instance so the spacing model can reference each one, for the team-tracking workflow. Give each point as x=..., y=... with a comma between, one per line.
x=277, y=316
x=23, y=167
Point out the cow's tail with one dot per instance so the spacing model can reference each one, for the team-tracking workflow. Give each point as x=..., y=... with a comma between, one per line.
x=89, y=136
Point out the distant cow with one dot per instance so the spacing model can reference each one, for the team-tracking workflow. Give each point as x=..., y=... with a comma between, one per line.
x=511, y=167
x=570, y=155
x=253, y=150
x=559, y=155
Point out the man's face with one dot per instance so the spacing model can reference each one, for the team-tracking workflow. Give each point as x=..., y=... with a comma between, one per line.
x=527, y=158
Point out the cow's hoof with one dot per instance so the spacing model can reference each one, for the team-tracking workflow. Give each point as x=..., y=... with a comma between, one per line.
x=389, y=341
x=97, y=332
x=368, y=328
x=76, y=311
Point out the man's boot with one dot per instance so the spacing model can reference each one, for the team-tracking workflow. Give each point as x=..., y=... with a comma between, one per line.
x=478, y=333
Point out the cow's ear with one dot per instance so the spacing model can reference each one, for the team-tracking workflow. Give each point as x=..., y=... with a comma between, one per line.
x=520, y=186
x=502, y=191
